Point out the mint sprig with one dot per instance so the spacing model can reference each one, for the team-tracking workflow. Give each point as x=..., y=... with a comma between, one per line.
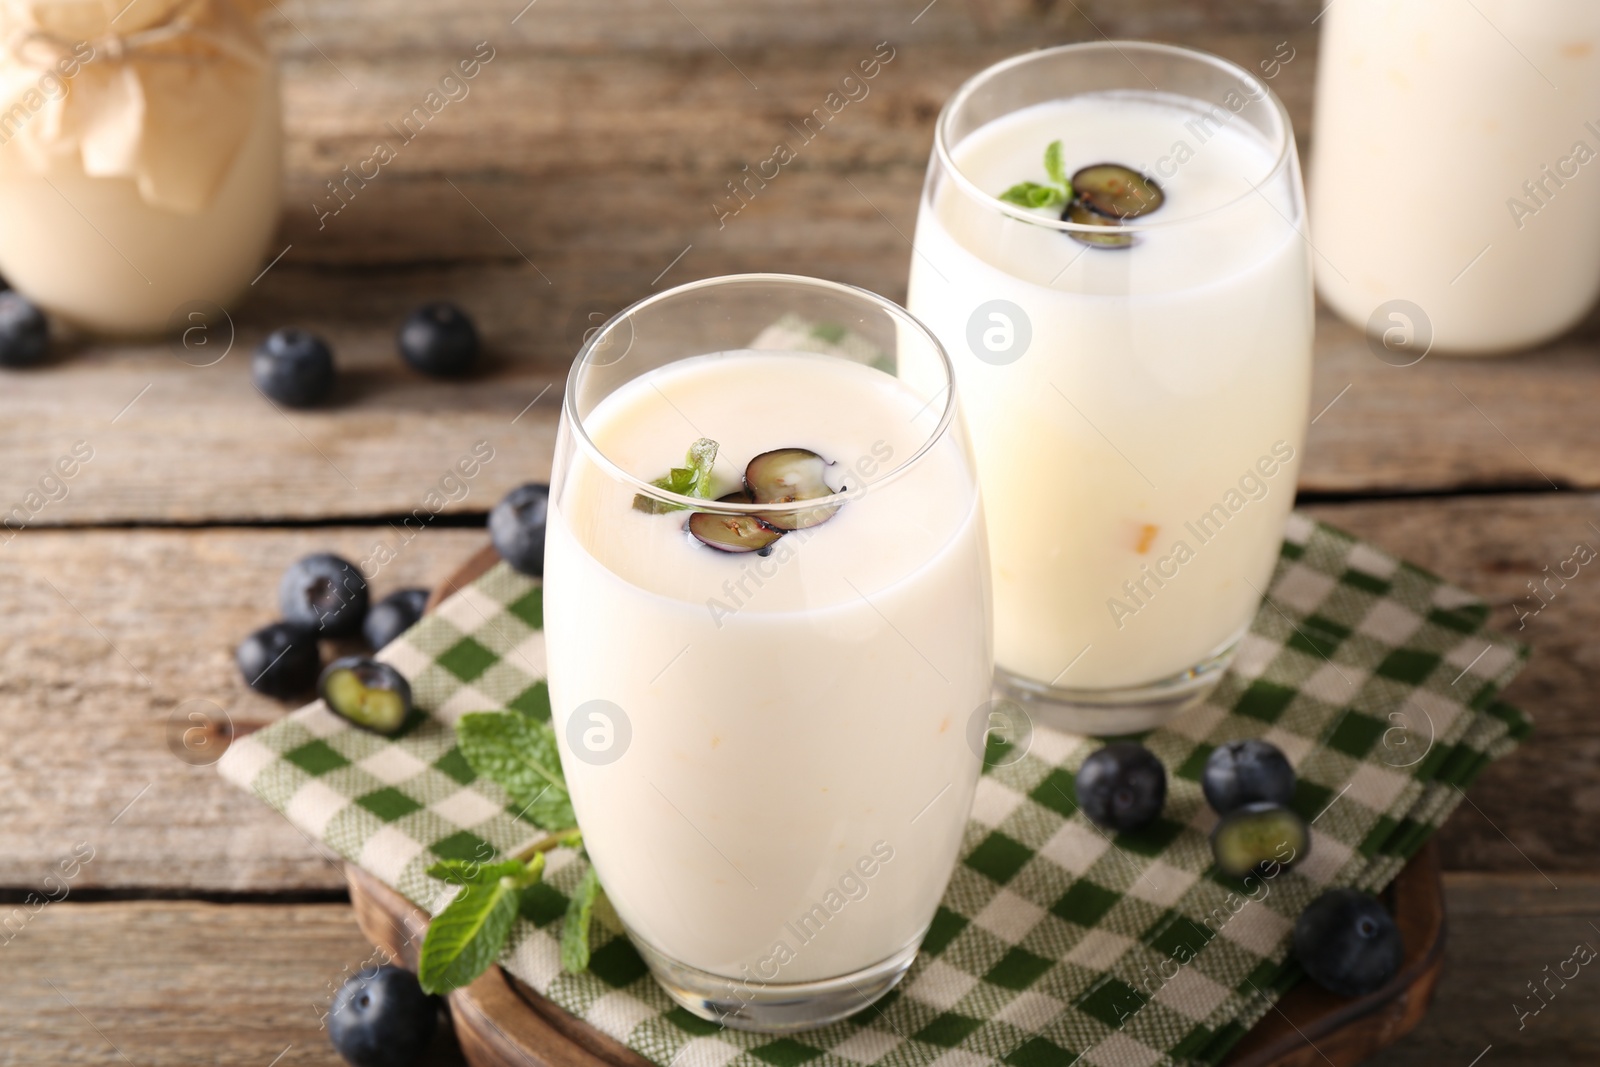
x=692, y=479
x=1035, y=195
x=470, y=934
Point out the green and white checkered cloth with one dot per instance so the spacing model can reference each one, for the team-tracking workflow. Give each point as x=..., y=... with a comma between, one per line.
x=1055, y=940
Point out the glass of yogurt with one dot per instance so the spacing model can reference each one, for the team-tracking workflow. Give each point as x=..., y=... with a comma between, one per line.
x=768, y=623
x=1110, y=246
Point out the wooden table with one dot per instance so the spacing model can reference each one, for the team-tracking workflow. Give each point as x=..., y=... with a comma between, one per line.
x=578, y=175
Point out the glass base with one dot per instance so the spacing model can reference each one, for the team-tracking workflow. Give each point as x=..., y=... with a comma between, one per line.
x=774, y=1007
x=1111, y=712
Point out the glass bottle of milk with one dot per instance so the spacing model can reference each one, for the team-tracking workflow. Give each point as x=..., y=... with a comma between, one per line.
x=1455, y=193
x=1109, y=248
x=140, y=157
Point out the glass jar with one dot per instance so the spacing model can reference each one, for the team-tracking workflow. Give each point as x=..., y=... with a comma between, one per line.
x=140, y=165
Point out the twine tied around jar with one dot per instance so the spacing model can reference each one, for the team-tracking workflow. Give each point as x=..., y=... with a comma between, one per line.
x=162, y=92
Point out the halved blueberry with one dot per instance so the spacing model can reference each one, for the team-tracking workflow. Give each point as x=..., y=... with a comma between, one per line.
x=1122, y=786
x=785, y=476
x=1348, y=943
x=1256, y=838
x=393, y=616
x=370, y=694
x=325, y=593
x=732, y=533
x=439, y=339
x=293, y=367
x=382, y=1018
x=1242, y=772
x=281, y=660
x=1116, y=191
x=1083, y=215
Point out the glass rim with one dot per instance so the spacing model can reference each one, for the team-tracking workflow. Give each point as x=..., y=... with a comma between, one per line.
x=942, y=146
x=644, y=488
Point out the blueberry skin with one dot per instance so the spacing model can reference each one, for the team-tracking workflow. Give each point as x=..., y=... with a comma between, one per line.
x=293, y=367
x=1244, y=772
x=382, y=1018
x=324, y=593
x=393, y=616
x=1122, y=786
x=516, y=526
x=440, y=340
x=24, y=333
x=1348, y=943
x=280, y=660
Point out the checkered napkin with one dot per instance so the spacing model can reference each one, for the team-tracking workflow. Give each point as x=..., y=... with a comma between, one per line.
x=1055, y=940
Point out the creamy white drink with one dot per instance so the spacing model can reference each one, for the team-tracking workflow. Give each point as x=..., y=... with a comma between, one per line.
x=1454, y=168
x=1137, y=412
x=790, y=801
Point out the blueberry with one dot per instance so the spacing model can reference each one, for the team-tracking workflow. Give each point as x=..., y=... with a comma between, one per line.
x=393, y=616
x=293, y=367
x=440, y=340
x=1259, y=839
x=370, y=694
x=516, y=526
x=325, y=593
x=1348, y=943
x=382, y=1018
x=24, y=333
x=280, y=660
x=1122, y=786
x=1243, y=772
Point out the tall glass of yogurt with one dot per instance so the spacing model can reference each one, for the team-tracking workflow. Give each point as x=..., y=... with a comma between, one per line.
x=1481, y=119
x=770, y=678
x=1110, y=246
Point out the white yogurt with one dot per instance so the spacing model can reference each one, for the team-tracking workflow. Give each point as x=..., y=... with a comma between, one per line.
x=1157, y=377
x=1455, y=166
x=799, y=721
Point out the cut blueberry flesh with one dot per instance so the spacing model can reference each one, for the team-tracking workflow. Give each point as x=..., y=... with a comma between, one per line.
x=1117, y=192
x=787, y=476
x=1122, y=786
x=393, y=616
x=732, y=533
x=1348, y=943
x=1111, y=235
x=293, y=367
x=368, y=693
x=517, y=525
x=1243, y=772
x=439, y=339
x=280, y=660
x=324, y=593
x=1252, y=839
x=24, y=332
x=382, y=1018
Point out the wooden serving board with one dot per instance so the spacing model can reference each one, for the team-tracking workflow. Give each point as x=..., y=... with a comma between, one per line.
x=502, y=1022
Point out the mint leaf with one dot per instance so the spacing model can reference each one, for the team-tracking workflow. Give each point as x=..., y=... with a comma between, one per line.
x=1032, y=194
x=694, y=479
x=1052, y=163
x=575, y=927
x=469, y=934
x=521, y=756
x=467, y=872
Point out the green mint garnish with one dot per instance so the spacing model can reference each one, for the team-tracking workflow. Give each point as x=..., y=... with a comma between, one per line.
x=1032, y=194
x=470, y=933
x=575, y=927
x=692, y=479
x=519, y=755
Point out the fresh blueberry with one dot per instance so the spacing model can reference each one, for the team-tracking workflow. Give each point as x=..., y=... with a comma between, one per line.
x=516, y=526
x=440, y=340
x=280, y=660
x=1122, y=786
x=1259, y=839
x=393, y=616
x=1348, y=943
x=1243, y=772
x=24, y=333
x=293, y=367
x=368, y=693
x=325, y=593
x=382, y=1018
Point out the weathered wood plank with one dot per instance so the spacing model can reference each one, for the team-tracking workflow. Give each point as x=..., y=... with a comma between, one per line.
x=85, y=698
